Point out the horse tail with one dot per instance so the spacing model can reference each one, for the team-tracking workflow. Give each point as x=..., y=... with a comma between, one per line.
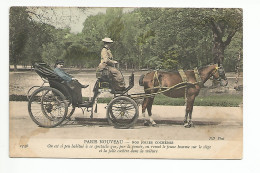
x=141, y=80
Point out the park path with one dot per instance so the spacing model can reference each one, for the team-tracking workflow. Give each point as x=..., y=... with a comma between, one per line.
x=231, y=115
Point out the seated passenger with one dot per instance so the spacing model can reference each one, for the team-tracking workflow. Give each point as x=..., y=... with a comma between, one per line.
x=108, y=62
x=72, y=83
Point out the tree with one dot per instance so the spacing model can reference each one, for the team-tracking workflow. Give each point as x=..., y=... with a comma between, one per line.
x=224, y=23
x=196, y=36
x=168, y=38
x=27, y=36
x=104, y=25
x=18, y=35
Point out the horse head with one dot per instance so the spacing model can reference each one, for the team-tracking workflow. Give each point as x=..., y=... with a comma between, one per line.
x=220, y=75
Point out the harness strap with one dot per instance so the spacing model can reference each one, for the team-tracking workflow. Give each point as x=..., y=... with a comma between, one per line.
x=156, y=77
x=183, y=75
x=215, y=71
x=177, y=86
x=197, y=77
x=184, y=79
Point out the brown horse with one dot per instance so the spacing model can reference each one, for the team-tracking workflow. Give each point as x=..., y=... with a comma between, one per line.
x=188, y=85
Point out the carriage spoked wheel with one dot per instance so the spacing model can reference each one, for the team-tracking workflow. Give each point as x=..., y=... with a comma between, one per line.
x=122, y=112
x=47, y=107
x=71, y=107
x=71, y=110
x=31, y=91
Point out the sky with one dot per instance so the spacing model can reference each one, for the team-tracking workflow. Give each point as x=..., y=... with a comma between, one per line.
x=62, y=17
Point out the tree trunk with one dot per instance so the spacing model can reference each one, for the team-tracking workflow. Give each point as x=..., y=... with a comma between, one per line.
x=218, y=52
x=126, y=66
x=15, y=67
x=218, y=44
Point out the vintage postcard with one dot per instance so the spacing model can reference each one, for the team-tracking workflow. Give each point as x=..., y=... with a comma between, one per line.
x=126, y=82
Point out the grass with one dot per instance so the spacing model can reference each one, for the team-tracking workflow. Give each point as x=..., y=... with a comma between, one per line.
x=223, y=100
x=213, y=100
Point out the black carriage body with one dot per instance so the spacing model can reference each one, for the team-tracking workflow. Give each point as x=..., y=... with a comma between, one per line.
x=55, y=81
x=122, y=111
x=105, y=82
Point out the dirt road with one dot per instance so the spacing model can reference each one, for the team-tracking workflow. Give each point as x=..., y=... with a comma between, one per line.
x=209, y=121
x=218, y=131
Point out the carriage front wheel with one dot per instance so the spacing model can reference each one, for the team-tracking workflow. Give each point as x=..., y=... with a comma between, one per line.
x=47, y=107
x=122, y=112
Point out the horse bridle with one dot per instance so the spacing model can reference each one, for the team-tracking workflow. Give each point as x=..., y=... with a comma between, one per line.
x=214, y=72
x=220, y=74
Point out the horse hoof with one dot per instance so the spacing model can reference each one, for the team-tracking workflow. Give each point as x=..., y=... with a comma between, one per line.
x=154, y=125
x=187, y=125
x=146, y=123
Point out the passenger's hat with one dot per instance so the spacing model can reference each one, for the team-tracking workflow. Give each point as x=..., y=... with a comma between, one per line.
x=59, y=61
x=107, y=40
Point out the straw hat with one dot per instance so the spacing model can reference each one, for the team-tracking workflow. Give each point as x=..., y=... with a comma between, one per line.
x=107, y=40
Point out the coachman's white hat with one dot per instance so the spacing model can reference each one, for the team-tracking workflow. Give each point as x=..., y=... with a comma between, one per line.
x=107, y=40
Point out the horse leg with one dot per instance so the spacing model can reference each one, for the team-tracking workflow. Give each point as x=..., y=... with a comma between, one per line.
x=147, y=104
x=149, y=110
x=144, y=105
x=190, y=117
x=189, y=107
x=185, y=118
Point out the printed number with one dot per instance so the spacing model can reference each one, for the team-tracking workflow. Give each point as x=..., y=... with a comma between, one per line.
x=24, y=146
x=211, y=138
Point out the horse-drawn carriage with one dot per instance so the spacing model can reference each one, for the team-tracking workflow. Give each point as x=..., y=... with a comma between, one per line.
x=50, y=105
x=53, y=102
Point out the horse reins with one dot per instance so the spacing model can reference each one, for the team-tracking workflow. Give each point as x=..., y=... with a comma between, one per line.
x=156, y=78
x=165, y=89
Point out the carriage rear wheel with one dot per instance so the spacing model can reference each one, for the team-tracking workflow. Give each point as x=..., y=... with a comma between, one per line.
x=122, y=112
x=71, y=110
x=71, y=107
x=47, y=107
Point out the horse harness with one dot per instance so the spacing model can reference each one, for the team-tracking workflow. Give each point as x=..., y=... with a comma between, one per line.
x=214, y=72
x=185, y=84
x=156, y=78
x=183, y=77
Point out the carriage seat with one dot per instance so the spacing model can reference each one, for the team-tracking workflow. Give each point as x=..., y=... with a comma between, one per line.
x=102, y=74
x=54, y=80
x=104, y=82
x=46, y=72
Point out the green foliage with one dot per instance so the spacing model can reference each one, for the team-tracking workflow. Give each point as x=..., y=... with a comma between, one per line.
x=51, y=52
x=168, y=38
x=223, y=100
x=27, y=37
x=18, y=33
